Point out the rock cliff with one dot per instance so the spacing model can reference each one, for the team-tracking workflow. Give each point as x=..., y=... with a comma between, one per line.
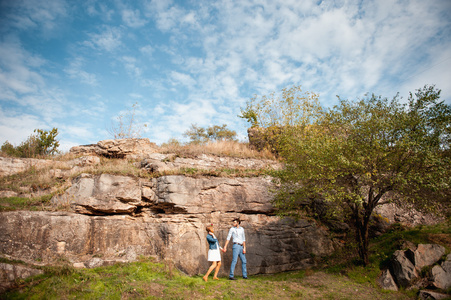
x=107, y=218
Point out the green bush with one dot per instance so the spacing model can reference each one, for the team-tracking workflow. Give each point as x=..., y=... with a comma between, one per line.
x=42, y=143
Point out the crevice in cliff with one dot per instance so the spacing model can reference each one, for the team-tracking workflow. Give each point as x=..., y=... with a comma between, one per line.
x=257, y=212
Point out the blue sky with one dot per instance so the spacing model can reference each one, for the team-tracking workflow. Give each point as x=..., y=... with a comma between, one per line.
x=78, y=64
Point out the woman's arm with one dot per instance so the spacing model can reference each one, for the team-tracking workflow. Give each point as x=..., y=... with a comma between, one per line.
x=211, y=239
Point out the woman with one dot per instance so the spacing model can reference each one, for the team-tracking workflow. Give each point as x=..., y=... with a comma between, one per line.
x=213, y=253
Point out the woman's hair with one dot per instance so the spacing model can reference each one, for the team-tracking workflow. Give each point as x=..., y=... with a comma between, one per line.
x=209, y=228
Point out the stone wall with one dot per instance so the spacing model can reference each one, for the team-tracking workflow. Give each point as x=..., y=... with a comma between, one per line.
x=118, y=218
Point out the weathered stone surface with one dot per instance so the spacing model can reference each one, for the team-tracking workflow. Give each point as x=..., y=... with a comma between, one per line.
x=104, y=194
x=83, y=161
x=10, y=166
x=406, y=215
x=427, y=255
x=9, y=273
x=386, y=281
x=110, y=194
x=446, y=265
x=274, y=245
x=120, y=148
x=441, y=275
x=157, y=162
x=431, y=295
x=403, y=269
x=6, y=194
x=206, y=195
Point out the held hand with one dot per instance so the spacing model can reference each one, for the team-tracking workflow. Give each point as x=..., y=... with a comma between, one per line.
x=244, y=251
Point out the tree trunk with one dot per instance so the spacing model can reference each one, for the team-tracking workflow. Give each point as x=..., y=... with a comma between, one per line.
x=361, y=226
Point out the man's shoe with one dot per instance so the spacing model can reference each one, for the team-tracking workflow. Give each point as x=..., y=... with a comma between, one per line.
x=244, y=277
x=232, y=278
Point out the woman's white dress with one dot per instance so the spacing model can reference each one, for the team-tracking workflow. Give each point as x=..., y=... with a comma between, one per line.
x=214, y=254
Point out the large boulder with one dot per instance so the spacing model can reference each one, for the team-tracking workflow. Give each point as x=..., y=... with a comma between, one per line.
x=403, y=269
x=386, y=281
x=119, y=148
x=441, y=274
x=104, y=194
x=427, y=255
x=10, y=273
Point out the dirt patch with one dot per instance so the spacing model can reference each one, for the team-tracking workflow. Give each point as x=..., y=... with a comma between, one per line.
x=441, y=239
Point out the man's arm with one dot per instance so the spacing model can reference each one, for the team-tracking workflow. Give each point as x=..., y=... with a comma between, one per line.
x=244, y=247
x=228, y=239
x=225, y=246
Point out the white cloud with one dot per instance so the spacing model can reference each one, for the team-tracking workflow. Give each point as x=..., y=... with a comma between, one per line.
x=148, y=50
x=75, y=71
x=44, y=15
x=130, y=65
x=184, y=79
x=16, y=127
x=109, y=39
x=132, y=18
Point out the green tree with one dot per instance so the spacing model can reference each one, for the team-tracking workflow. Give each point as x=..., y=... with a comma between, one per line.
x=42, y=143
x=291, y=107
x=47, y=144
x=198, y=134
x=359, y=154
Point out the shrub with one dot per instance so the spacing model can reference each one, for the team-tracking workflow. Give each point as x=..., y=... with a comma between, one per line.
x=41, y=143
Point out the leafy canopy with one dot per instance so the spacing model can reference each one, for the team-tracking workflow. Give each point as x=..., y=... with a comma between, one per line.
x=289, y=108
x=357, y=152
x=42, y=143
x=199, y=135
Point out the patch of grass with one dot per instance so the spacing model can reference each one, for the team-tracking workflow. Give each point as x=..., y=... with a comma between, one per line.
x=147, y=279
x=218, y=148
x=18, y=203
x=222, y=172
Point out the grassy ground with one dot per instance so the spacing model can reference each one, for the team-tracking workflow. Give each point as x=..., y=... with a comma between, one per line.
x=337, y=277
x=150, y=280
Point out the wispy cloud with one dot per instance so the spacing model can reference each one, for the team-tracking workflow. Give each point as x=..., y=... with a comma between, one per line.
x=75, y=71
x=132, y=18
x=42, y=15
x=16, y=126
x=108, y=39
x=184, y=79
x=130, y=65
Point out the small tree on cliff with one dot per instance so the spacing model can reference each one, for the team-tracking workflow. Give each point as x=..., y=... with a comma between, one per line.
x=42, y=143
x=291, y=107
x=199, y=135
x=357, y=152
x=127, y=125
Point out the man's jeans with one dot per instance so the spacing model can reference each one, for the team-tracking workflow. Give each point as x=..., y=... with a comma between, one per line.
x=237, y=250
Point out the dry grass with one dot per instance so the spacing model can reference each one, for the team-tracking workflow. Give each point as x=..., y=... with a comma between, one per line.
x=219, y=148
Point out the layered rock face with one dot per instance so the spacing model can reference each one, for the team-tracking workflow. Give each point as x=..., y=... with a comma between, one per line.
x=120, y=148
x=119, y=218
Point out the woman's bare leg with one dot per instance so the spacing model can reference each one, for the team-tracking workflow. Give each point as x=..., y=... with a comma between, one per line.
x=217, y=270
x=213, y=265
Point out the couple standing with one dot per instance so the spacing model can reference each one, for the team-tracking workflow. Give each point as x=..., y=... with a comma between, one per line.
x=238, y=250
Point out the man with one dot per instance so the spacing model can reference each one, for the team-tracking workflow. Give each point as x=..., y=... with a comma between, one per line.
x=238, y=248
